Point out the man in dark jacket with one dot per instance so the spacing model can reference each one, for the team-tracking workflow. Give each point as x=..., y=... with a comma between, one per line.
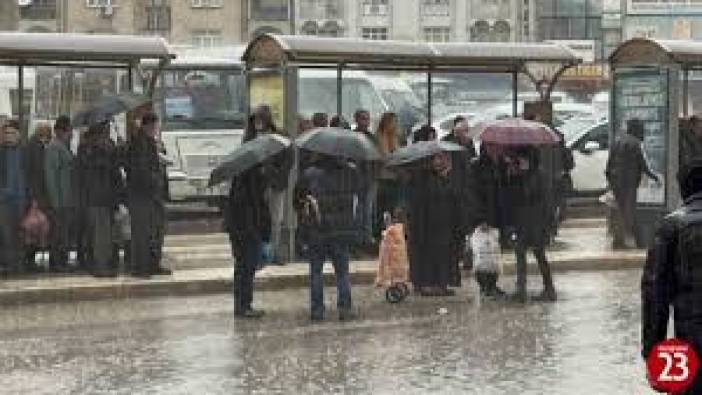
x=369, y=183
x=13, y=195
x=248, y=223
x=673, y=274
x=97, y=168
x=625, y=166
x=463, y=179
x=145, y=189
x=327, y=195
x=36, y=147
x=690, y=141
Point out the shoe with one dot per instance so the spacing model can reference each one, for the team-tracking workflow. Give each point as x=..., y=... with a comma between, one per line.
x=348, y=315
x=317, y=317
x=447, y=292
x=161, y=271
x=518, y=297
x=249, y=313
x=104, y=274
x=546, y=296
x=140, y=274
x=59, y=269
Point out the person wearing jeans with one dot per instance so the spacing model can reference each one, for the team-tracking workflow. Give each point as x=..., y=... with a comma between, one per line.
x=325, y=198
x=337, y=251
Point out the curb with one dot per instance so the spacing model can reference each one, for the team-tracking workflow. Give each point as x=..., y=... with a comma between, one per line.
x=216, y=284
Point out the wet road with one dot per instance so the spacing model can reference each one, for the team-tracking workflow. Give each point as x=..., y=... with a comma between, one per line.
x=587, y=343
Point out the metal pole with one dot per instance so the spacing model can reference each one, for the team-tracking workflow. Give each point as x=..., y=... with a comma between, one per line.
x=20, y=100
x=429, y=98
x=339, y=89
x=515, y=93
x=685, y=92
x=130, y=80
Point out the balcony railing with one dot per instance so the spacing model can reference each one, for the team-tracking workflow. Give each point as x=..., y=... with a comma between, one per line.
x=372, y=9
x=435, y=9
x=38, y=13
x=269, y=13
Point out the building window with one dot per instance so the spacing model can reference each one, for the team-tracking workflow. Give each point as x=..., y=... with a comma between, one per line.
x=100, y=3
x=480, y=31
x=435, y=7
x=375, y=7
x=374, y=33
x=321, y=9
x=206, y=3
x=570, y=20
x=207, y=38
x=270, y=10
x=158, y=19
x=39, y=10
x=437, y=34
x=501, y=31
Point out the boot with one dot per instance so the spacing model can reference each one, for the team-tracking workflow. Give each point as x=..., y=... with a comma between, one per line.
x=520, y=294
x=549, y=292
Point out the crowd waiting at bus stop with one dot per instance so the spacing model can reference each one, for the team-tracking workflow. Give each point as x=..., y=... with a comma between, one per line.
x=86, y=210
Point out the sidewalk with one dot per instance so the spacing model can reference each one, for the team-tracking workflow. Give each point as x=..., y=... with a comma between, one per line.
x=202, y=265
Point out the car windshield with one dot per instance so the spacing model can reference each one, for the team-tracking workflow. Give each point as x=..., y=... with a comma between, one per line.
x=574, y=128
x=201, y=99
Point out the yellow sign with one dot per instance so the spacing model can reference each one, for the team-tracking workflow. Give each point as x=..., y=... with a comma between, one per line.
x=592, y=70
x=267, y=89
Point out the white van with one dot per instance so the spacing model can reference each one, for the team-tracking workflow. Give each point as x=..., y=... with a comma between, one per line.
x=376, y=93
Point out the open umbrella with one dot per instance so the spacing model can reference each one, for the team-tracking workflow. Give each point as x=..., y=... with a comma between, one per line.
x=516, y=132
x=108, y=106
x=249, y=155
x=340, y=143
x=420, y=150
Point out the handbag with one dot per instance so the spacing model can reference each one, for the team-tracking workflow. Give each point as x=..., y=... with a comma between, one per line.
x=35, y=227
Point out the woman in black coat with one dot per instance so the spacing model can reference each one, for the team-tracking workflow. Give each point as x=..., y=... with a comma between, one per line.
x=248, y=223
x=525, y=215
x=434, y=221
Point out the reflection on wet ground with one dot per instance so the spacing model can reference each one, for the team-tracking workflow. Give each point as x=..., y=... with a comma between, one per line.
x=587, y=343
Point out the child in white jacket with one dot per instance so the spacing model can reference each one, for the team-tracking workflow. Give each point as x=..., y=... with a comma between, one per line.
x=486, y=259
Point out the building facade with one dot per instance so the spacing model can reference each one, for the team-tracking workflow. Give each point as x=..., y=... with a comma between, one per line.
x=417, y=20
x=182, y=22
x=673, y=19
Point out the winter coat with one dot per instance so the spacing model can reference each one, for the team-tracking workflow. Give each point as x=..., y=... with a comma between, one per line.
x=486, y=192
x=246, y=213
x=626, y=163
x=464, y=181
x=13, y=174
x=673, y=277
x=100, y=179
x=278, y=171
x=36, y=173
x=523, y=207
x=145, y=172
x=690, y=147
x=435, y=230
x=60, y=175
x=334, y=186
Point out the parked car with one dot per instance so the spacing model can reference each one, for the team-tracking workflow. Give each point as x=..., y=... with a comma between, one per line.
x=588, y=139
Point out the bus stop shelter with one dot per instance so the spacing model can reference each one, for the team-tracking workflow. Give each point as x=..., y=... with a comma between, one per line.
x=651, y=83
x=281, y=56
x=80, y=51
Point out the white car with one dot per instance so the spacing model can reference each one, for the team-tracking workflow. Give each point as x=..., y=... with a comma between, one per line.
x=588, y=140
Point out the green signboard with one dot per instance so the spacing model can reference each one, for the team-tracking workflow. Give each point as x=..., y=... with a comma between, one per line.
x=642, y=93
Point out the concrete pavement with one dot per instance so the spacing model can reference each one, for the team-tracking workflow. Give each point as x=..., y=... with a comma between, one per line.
x=202, y=264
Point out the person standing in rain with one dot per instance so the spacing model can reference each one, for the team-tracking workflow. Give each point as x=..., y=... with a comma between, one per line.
x=672, y=272
x=525, y=216
x=325, y=197
x=248, y=224
x=625, y=166
x=145, y=190
x=691, y=141
x=433, y=225
x=61, y=189
x=463, y=180
x=425, y=133
x=338, y=121
x=97, y=166
x=388, y=137
x=13, y=195
x=260, y=122
x=36, y=150
x=369, y=185
x=320, y=120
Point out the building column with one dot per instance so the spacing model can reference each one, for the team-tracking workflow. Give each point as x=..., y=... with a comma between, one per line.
x=460, y=20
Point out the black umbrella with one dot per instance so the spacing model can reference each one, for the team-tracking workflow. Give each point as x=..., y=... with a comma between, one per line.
x=108, y=106
x=420, y=150
x=249, y=155
x=339, y=143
